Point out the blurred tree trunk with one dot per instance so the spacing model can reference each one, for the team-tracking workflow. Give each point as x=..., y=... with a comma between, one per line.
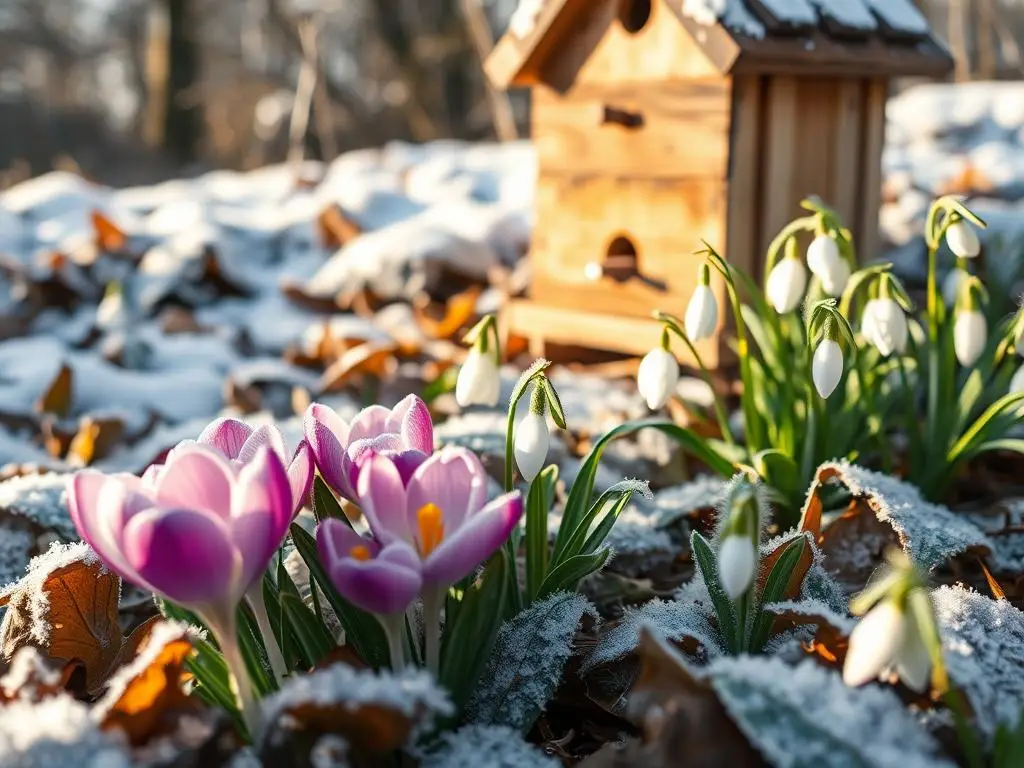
x=183, y=119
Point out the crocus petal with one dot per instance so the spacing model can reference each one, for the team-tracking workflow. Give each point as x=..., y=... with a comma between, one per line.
x=408, y=462
x=96, y=505
x=151, y=477
x=386, y=443
x=383, y=585
x=478, y=538
x=300, y=475
x=369, y=422
x=263, y=487
x=874, y=643
x=268, y=435
x=383, y=499
x=327, y=435
x=184, y=555
x=417, y=428
x=226, y=435
x=196, y=477
x=335, y=541
x=254, y=538
x=454, y=480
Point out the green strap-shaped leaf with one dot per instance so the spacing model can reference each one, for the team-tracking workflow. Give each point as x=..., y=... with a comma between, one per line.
x=313, y=640
x=325, y=505
x=568, y=574
x=708, y=566
x=538, y=506
x=775, y=590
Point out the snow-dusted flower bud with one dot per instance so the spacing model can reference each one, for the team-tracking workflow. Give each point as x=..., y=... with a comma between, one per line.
x=884, y=325
x=657, y=377
x=951, y=285
x=532, y=437
x=786, y=284
x=822, y=254
x=827, y=367
x=702, y=311
x=962, y=240
x=736, y=563
x=479, y=382
x=970, y=333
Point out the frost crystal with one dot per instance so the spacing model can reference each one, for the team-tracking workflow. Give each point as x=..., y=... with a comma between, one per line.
x=672, y=504
x=526, y=665
x=929, y=533
x=412, y=692
x=42, y=499
x=639, y=546
x=486, y=746
x=804, y=715
x=983, y=645
x=55, y=733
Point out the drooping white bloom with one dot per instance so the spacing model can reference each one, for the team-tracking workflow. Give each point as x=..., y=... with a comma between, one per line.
x=962, y=240
x=913, y=663
x=786, y=284
x=701, y=314
x=1017, y=382
x=479, y=382
x=657, y=377
x=736, y=563
x=835, y=277
x=827, y=367
x=822, y=254
x=951, y=285
x=875, y=643
x=531, y=445
x=969, y=336
x=885, y=326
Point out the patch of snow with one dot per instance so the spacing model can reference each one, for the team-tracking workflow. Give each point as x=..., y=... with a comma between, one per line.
x=41, y=499
x=796, y=13
x=704, y=12
x=672, y=504
x=485, y=746
x=853, y=14
x=28, y=669
x=900, y=15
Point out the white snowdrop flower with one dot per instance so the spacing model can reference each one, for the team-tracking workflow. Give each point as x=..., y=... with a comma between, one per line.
x=736, y=563
x=962, y=240
x=951, y=285
x=969, y=336
x=657, y=377
x=874, y=643
x=913, y=663
x=786, y=284
x=1017, y=382
x=531, y=444
x=822, y=254
x=479, y=382
x=835, y=276
x=701, y=314
x=827, y=367
x=884, y=325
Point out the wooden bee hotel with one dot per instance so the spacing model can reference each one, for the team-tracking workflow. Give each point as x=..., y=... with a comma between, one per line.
x=659, y=123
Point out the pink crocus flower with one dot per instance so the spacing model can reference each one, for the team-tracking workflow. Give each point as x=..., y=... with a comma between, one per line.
x=404, y=433
x=240, y=443
x=200, y=533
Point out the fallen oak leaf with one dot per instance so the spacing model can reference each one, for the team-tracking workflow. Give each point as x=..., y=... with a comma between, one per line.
x=109, y=237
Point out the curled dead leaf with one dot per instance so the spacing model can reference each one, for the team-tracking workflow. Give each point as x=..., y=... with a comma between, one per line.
x=446, y=320
x=336, y=228
x=108, y=236
x=372, y=358
x=56, y=398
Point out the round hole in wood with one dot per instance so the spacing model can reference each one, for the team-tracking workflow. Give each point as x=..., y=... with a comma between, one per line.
x=620, y=260
x=634, y=14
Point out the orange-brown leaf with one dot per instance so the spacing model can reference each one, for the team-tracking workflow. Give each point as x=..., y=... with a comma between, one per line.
x=56, y=398
x=109, y=237
x=459, y=310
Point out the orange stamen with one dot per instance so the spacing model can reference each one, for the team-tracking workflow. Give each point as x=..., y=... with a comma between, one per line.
x=359, y=552
x=431, y=524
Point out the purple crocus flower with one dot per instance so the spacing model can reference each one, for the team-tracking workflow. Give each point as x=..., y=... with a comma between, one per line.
x=240, y=443
x=441, y=512
x=200, y=532
x=404, y=433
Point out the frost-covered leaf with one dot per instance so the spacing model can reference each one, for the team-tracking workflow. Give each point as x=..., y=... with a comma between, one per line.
x=30, y=677
x=672, y=504
x=804, y=716
x=983, y=645
x=526, y=665
x=884, y=511
x=1006, y=535
x=41, y=499
x=374, y=712
x=485, y=746
x=55, y=733
x=67, y=607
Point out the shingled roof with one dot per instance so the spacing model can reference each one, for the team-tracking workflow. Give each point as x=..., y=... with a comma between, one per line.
x=861, y=37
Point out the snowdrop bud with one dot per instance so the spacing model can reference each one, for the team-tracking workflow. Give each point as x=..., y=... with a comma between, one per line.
x=874, y=643
x=827, y=367
x=657, y=377
x=835, y=276
x=963, y=240
x=702, y=311
x=913, y=662
x=736, y=563
x=532, y=438
x=785, y=285
x=951, y=285
x=969, y=336
x=822, y=254
x=885, y=326
x=479, y=382
x=1017, y=382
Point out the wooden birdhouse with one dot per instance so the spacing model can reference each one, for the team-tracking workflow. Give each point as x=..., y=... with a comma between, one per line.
x=659, y=123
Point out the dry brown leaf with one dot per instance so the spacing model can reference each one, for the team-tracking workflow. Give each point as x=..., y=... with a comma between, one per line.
x=95, y=439
x=372, y=358
x=368, y=728
x=108, y=236
x=33, y=677
x=997, y=590
x=56, y=398
x=796, y=579
x=455, y=314
x=336, y=228
x=829, y=643
x=79, y=605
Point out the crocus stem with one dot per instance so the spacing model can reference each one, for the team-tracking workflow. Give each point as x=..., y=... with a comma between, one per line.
x=258, y=603
x=226, y=635
x=394, y=629
x=433, y=599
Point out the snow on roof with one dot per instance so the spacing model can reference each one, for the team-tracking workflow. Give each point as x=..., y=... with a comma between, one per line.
x=847, y=13
x=796, y=13
x=898, y=15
